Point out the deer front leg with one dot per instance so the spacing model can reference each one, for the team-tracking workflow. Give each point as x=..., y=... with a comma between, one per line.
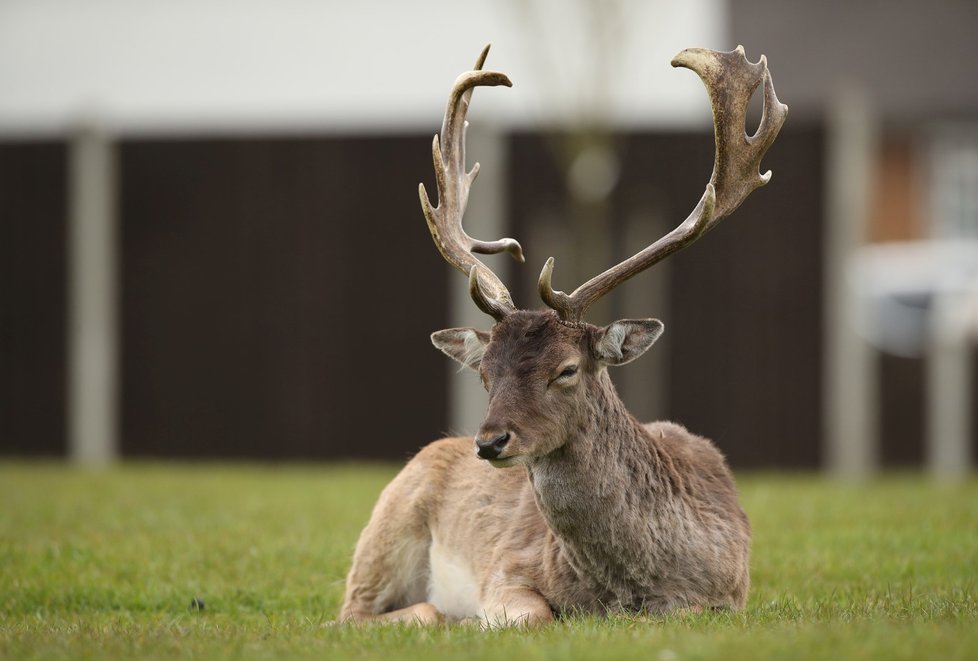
x=389, y=575
x=421, y=614
x=516, y=606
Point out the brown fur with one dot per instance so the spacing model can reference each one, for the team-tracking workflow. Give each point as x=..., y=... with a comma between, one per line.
x=599, y=512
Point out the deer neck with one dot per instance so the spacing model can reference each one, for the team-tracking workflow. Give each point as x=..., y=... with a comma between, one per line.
x=598, y=491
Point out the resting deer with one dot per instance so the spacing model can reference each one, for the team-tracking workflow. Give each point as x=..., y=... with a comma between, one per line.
x=563, y=502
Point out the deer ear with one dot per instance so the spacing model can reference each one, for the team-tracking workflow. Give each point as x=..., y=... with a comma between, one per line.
x=466, y=345
x=626, y=339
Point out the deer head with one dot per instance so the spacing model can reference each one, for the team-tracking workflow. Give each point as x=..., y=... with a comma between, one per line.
x=545, y=370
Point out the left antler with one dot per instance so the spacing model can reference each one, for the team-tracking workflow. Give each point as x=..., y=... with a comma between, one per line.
x=730, y=80
x=445, y=220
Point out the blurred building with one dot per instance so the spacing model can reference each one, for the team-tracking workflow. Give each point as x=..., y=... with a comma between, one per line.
x=211, y=244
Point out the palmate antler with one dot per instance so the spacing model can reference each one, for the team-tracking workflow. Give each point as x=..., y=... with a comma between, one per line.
x=730, y=80
x=445, y=220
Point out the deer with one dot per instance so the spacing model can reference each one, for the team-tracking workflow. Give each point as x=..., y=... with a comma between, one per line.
x=563, y=503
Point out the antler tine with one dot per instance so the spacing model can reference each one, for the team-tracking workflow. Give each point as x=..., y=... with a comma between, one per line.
x=453, y=183
x=730, y=80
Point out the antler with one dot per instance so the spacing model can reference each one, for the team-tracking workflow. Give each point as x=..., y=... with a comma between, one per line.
x=445, y=220
x=730, y=80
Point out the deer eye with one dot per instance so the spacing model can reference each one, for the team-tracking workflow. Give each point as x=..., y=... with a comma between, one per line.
x=568, y=372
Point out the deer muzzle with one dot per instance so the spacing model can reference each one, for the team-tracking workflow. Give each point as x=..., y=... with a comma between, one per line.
x=490, y=446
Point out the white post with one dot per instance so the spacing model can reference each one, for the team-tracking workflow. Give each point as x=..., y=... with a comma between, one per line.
x=646, y=382
x=92, y=299
x=953, y=320
x=850, y=398
x=484, y=219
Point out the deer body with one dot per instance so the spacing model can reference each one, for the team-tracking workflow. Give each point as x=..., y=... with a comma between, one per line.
x=619, y=516
x=563, y=502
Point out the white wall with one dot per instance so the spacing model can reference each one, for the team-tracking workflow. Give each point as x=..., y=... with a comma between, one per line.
x=292, y=65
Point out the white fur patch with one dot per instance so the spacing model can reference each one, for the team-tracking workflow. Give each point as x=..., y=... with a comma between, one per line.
x=474, y=349
x=612, y=342
x=452, y=588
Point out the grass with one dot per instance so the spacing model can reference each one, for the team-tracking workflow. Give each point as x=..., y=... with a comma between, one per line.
x=106, y=564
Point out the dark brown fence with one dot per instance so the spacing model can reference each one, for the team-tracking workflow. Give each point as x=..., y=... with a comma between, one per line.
x=32, y=298
x=277, y=296
x=277, y=299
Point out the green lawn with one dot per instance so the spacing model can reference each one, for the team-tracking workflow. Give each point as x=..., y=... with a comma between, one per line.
x=105, y=564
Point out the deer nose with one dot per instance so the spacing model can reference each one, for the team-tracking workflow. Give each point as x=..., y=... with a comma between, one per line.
x=493, y=447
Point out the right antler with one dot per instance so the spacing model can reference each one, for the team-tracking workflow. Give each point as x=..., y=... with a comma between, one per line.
x=730, y=80
x=445, y=220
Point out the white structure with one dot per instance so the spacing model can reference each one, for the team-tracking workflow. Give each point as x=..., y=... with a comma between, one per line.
x=193, y=66
x=138, y=67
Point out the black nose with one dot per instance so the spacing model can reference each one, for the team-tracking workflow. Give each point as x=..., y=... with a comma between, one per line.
x=492, y=448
